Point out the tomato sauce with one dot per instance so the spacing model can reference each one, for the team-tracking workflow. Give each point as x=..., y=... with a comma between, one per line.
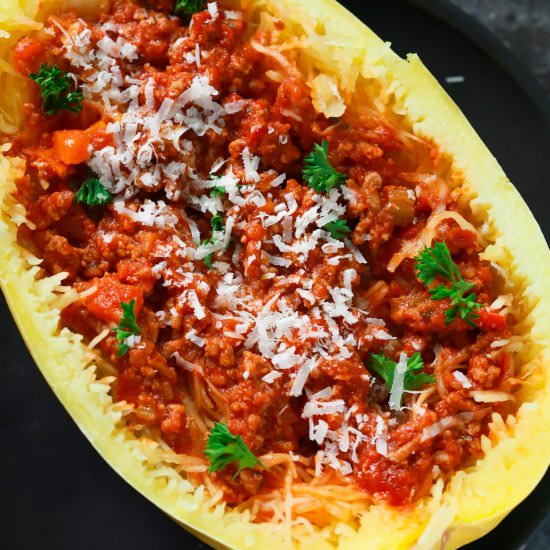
x=192, y=345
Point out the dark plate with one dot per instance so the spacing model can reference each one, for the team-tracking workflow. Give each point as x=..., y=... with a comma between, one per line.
x=57, y=492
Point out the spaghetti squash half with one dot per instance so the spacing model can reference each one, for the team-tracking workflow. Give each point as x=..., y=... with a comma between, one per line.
x=270, y=270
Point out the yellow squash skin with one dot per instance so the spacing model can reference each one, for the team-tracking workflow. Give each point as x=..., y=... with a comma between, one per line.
x=339, y=49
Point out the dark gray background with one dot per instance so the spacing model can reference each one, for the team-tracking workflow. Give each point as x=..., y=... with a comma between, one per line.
x=523, y=25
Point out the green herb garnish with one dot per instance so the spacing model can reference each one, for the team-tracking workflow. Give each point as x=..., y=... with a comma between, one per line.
x=318, y=173
x=126, y=327
x=224, y=448
x=435, y=262
x=338, y=228
x=217, y=191
x=217, y=223
x=186, y=8
x=93, y=193
x=57, y=90
x=414, y=377
x=208, y=260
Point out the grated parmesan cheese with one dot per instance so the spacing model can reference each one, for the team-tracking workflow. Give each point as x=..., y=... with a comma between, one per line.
x=397, y=387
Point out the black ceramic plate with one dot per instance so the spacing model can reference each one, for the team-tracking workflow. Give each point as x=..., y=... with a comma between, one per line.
x=56, y=490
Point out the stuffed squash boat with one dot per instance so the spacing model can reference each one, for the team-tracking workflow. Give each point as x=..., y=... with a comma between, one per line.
x=271, y=271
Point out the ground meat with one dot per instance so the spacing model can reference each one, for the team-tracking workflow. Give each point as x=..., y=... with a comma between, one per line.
x=284, y=318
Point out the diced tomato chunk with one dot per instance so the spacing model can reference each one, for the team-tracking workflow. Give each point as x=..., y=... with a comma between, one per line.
x=490, y=320
x=458, y=239
x=105, y=302
x=136, y=273
x=71, y=146
x=26, y=54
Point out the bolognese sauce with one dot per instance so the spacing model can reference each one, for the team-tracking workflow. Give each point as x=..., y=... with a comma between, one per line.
x=307, y=286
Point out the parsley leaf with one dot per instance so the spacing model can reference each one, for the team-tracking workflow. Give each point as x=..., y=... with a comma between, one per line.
x=126, y=327
x=56, y=90
x=208, y=260
x=217, y=223
x=186, y=8
x=414, y=378
x=318, y=173
x=224, y=448
x=93, y=193
x=217, y=191
x=338, y=228
x=384, y=367
x=435, y=262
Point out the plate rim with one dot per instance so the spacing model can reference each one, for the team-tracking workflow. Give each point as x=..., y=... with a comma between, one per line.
x=491, y=45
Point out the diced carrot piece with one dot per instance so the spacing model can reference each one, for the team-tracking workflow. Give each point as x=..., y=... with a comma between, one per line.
x=49, y=161
x=71, y=146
